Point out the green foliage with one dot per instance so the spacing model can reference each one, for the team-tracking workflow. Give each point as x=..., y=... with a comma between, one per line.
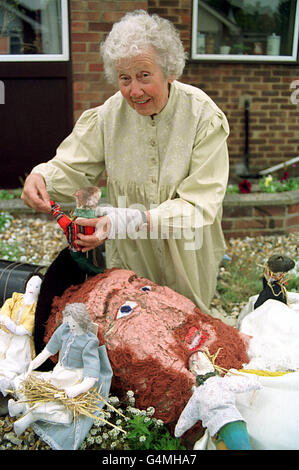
x=232, y=189
x=142, y=431
x=293, y=282
x=10, y=193
x=5, y=221
x=10, y=251
x=268, y=184
x=144, y=435
x=238, y=281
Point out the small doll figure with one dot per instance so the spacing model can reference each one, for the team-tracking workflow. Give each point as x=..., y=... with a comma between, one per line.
x=213, y=403
x=77, y=370
x=87, y=200
x=16, y=332
x=274, y=279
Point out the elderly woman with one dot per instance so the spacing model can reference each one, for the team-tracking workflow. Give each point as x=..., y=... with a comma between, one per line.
x=163, y=146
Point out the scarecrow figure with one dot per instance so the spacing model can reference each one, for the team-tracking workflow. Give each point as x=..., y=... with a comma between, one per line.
x=213, y=403
x=274, y=279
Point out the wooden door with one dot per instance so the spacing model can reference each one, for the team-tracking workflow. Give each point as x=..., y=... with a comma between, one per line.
x=36, y=113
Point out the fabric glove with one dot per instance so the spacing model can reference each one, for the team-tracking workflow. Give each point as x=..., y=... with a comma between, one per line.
x=123, y=222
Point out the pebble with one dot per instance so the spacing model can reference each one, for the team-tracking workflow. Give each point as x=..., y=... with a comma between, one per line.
x=38, y=240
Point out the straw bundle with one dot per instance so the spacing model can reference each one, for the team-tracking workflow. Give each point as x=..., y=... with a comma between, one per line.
x=212, y=358
x=36, y=390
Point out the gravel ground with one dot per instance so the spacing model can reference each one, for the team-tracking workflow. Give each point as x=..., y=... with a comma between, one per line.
x=41, y=240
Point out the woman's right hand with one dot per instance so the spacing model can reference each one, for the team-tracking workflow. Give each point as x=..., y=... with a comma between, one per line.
x=35, y=194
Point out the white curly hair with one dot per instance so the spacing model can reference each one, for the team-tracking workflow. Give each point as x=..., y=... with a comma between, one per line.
x=134, y=34
x=78, y=312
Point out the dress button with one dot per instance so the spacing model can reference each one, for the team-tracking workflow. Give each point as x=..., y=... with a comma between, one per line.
x=153, y=142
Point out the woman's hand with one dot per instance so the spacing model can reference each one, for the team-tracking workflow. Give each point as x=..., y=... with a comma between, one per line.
x=102, y=228
x=35, y=194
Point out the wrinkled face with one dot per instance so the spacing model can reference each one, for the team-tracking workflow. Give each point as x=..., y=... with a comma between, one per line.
x=33, y=286
x=142, y=83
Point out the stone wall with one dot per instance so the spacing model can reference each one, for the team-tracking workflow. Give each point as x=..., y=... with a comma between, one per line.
x=244, y=215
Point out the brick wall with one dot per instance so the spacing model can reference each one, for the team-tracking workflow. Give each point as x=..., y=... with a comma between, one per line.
x=274, y=130
x=90, y=22
x=260, y=214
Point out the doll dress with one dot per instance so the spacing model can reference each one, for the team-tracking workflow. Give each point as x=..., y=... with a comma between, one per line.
x=16, y=351
x=60, y=377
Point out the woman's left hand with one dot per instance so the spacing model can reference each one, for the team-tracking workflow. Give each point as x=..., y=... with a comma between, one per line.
x=89, y=242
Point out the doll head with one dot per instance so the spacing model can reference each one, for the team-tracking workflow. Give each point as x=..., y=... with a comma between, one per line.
x=278, y=266
x=199, y=364
x=78, y=313
x=88, y=197
x=33, y=284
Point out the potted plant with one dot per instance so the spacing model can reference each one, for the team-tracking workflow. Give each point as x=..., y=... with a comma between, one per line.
x=240, y=48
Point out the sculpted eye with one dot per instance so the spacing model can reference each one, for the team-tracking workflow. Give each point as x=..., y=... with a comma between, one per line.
x=126, y=309
x=146, y=288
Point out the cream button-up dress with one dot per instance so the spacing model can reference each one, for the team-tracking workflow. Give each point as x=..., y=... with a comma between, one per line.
x=174, y=164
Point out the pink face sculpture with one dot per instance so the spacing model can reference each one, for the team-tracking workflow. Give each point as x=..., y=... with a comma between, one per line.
x=150, y=332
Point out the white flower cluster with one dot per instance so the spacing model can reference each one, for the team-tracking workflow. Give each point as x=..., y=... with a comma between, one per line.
x=104, y=436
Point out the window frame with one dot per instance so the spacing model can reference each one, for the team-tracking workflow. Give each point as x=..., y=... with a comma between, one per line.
x=263, y=58
x=63, y=57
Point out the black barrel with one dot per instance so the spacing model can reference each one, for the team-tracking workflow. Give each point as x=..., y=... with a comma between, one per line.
x=13, y=277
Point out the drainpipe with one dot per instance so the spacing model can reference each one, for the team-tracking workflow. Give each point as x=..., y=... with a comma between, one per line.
x=247, y=155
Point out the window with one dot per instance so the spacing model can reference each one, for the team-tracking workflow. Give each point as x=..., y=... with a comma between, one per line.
x=33, y=30
x=245, y=30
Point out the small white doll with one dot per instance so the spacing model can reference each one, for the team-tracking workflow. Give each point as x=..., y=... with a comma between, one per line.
x=77, y=370
x=213, y=403
x=16, y=332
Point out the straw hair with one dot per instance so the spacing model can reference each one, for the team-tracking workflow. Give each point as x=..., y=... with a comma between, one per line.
x=37, y=391
x=212, y=358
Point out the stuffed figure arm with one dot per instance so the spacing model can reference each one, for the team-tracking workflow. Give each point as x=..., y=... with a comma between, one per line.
x=13, y=327
x=7, y=307
x=239, y=384
x=39, y=360
x=189, y=417
x=82, y=387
